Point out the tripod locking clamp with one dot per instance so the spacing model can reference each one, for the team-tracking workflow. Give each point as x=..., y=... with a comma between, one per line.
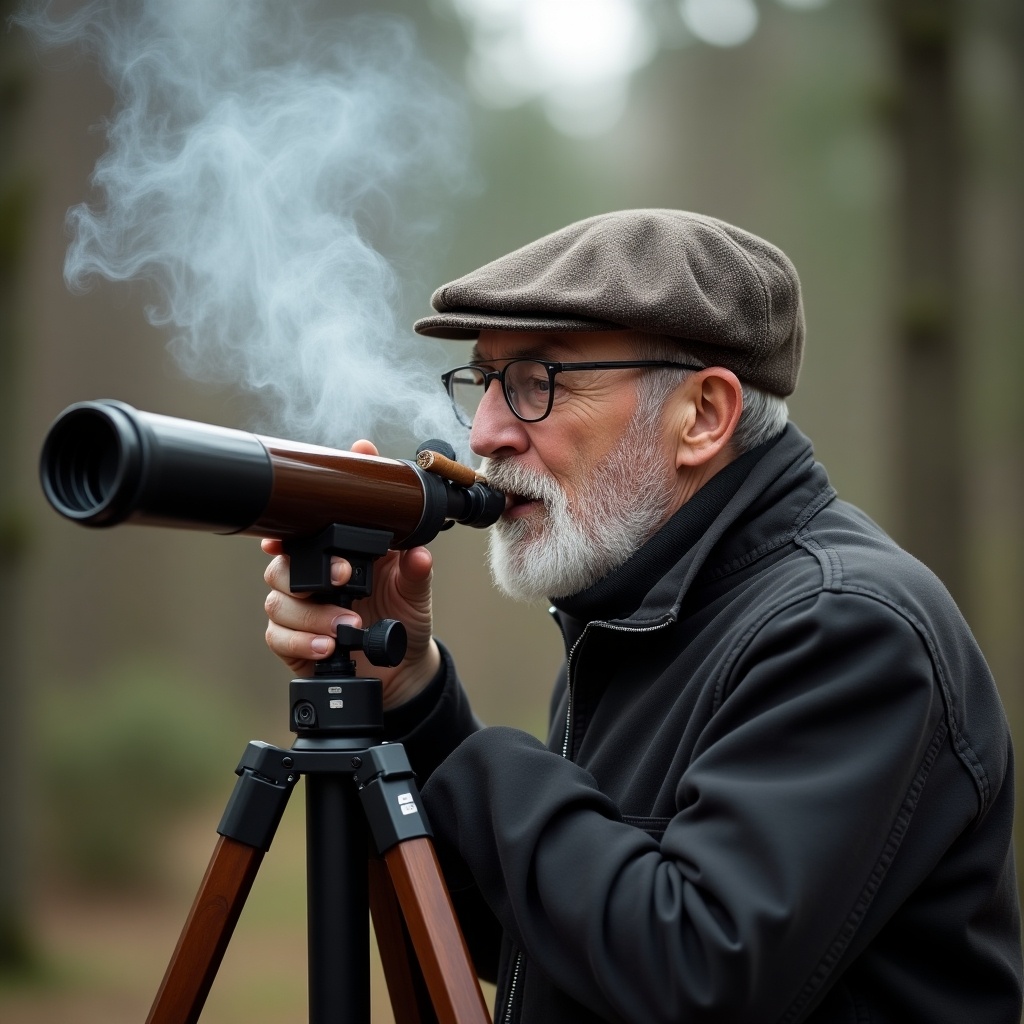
x=260, y=795
x=389, y=796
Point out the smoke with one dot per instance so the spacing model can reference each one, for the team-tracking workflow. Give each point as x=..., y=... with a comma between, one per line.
x=273, y=175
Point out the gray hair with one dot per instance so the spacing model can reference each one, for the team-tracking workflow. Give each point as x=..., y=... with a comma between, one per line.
x=764, y=415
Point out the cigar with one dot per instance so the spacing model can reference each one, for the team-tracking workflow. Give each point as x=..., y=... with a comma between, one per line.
x=435, y=462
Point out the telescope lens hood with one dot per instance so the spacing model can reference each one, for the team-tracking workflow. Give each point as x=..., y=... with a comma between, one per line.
x=105, y=463
x=91, y=464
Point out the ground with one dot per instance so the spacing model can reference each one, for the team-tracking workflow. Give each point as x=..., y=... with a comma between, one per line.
x=105, y=954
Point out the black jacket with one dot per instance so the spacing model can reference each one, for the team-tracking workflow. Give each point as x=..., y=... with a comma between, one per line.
x=780, y=790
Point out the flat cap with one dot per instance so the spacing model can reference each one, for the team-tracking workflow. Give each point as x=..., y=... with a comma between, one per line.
x=732, y=298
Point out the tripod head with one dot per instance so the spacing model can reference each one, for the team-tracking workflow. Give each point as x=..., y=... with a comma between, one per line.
x=337, y=703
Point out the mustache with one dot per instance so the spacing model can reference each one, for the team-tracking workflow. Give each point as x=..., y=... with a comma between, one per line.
x=512, y=477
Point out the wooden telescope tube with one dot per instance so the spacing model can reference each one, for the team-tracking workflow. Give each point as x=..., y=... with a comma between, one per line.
x=105, y=463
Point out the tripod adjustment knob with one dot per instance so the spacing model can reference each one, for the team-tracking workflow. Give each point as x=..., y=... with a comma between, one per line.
x=385, y=642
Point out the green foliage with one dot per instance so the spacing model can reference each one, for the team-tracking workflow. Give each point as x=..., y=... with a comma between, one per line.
x=19, y=959
x=15, y=534
x=120, y=761
x=17, y=201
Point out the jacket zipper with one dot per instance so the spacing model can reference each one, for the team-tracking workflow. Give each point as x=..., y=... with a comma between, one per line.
x=568, y=665
x=510, y=1002
x=512, y=988
x=568, y=685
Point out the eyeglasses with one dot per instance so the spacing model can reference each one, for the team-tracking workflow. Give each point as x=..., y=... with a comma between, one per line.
x=528, y=384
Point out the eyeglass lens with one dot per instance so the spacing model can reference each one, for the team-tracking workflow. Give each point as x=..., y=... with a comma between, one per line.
x=527, y=388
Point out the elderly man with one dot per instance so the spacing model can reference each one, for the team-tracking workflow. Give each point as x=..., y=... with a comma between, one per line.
x=778, y=780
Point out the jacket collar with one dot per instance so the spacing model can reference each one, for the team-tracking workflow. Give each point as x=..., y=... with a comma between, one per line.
x=756, y=508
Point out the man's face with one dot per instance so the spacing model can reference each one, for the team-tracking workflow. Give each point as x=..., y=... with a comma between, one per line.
x=588, y=484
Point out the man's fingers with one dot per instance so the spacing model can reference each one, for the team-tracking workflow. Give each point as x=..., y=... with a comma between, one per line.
x=307, y=616
x=364, y=447
x=414, y=577
x=416, y=564
x=278, y=573
x=341, y=571
x=295, y=646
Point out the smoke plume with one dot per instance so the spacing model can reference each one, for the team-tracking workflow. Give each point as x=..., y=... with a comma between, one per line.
x=273, y=174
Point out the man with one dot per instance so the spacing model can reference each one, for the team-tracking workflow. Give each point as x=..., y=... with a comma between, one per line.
x=778, y=781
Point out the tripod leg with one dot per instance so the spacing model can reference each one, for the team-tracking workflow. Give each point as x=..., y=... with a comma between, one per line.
x=206, y=934
x=410, y=1000
x=250, y=819
x=434, y=930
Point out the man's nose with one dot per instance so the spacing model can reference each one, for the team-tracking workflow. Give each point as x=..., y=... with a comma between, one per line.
x=497, y=431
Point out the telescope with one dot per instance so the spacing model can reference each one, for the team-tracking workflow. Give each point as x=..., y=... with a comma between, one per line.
x=104, y=463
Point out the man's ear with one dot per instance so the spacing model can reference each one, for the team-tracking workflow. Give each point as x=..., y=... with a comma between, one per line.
x=709, y=409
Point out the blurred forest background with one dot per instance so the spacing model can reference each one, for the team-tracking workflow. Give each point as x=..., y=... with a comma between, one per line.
x=879, y=144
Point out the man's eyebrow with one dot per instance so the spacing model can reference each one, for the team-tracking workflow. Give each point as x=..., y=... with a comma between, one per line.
x=523, y=353
x=535, y=351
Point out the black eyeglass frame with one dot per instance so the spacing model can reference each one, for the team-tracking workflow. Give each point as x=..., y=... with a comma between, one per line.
x=552, y=368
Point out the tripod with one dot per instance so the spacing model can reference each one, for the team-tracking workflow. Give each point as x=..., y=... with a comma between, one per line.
x=357, y=787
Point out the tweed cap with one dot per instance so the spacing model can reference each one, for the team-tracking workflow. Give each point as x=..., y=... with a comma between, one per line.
x=731, y=298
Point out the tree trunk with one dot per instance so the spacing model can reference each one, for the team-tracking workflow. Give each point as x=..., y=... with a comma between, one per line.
x=1009, y=26
x=931, y=476
x=15, y=194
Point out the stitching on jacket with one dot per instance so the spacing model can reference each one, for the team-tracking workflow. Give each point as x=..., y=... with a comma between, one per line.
x=828, y=558
x=741, y=644
x=867, y=895
x=744, y=560
x=964, y=750
x=808, y=512
x=825, y=497
x=947, y=726
x=648, y=824
x=961, y=745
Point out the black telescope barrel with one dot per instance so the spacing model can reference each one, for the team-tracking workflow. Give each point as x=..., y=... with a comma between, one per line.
x=105, y=463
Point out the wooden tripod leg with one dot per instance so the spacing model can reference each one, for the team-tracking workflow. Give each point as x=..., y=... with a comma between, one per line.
x=206, y=934
x=410, y=1001
x=434, y=929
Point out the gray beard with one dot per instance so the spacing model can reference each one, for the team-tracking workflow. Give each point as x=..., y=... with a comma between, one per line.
x=620, y=505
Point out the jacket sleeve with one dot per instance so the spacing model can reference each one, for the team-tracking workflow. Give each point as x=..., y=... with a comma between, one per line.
x=435, y=722
x=787, y=818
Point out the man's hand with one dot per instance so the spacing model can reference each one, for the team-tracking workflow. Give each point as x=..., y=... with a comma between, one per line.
x=301, y=631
